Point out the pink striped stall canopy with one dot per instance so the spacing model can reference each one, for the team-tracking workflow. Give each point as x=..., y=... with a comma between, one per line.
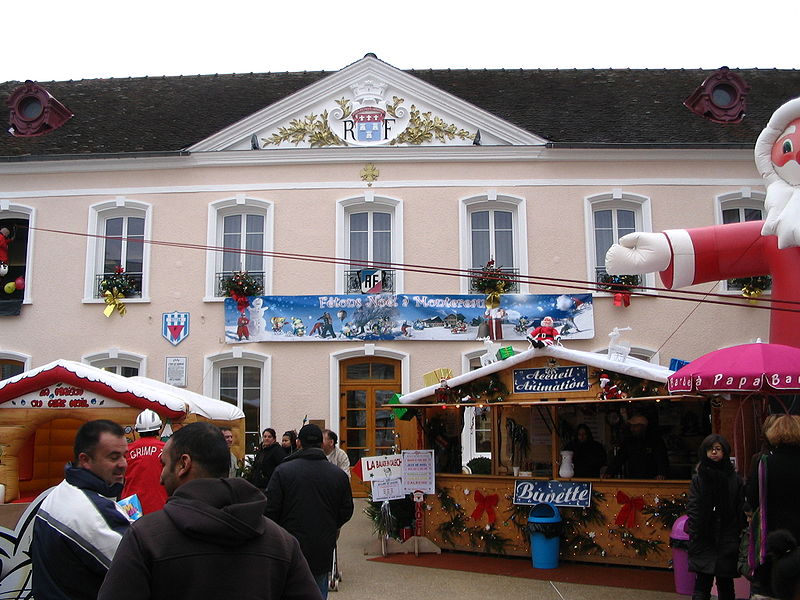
x=746, y=369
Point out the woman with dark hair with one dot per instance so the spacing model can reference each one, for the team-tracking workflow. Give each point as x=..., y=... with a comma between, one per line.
x=289, y=441
x=588, y=455
x=774, y=488
x=268, y=457
x=716, y=518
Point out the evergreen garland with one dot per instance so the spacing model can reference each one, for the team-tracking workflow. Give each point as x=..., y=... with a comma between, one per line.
x=488, y=389
x=490, y=279
x=487, y=537
x=666, y=510
x=641, y=546
x=119, y=282
x=241, y=284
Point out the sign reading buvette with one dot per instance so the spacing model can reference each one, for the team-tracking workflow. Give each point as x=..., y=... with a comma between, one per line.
x=560, y=493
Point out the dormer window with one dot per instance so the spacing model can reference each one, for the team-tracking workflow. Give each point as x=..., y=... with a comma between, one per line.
x=34, y=111
x=720, y=98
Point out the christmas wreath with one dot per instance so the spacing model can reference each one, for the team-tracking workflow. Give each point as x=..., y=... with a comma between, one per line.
x=241, y=283
x=620, y=286
x=492, y=281
x=119, y=282
x=752, y=287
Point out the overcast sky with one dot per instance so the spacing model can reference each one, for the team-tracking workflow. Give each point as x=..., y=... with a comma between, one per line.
x=59, y=40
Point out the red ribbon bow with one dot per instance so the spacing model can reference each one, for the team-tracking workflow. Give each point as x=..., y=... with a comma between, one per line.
x=622, y=299
x=241, y=301
x=485, y=503
x=630, y=506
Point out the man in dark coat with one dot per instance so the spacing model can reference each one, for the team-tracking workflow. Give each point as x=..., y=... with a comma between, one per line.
x=311, y=498
x=211, y=540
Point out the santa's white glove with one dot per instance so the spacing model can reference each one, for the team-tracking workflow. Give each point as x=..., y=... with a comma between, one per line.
x=783, y=214
x=638, y=253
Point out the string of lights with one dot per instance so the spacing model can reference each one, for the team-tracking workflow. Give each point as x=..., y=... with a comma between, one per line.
x=771, y=304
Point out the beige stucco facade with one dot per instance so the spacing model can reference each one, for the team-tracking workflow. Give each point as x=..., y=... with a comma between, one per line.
x=551, y=191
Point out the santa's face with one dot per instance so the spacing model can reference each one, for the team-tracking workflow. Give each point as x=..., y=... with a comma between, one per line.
x=786, y=154
x=547, y=322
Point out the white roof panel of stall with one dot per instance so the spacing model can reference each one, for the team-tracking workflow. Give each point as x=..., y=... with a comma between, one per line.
x=630, y=366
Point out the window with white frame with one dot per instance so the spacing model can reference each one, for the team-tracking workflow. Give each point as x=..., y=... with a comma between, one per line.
x=476, y=436
x=609, y=217
x=241, y=381
x=240, y=233
x=370, y=238
x=126, y=364
x=740, y=207
x=17, y=219
x=494, y=231
x=120, y=229
x=12, y=363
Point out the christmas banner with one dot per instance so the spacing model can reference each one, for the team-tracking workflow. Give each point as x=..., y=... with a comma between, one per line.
x=406, y=317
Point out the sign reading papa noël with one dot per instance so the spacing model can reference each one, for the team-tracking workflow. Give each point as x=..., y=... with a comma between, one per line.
x=551, y=379
x=560, y=493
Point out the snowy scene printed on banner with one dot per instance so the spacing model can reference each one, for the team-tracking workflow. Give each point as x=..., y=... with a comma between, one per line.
x=403, y=317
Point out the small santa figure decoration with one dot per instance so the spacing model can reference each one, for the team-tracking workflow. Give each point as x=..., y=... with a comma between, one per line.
x=609, y=389
x=544, y=335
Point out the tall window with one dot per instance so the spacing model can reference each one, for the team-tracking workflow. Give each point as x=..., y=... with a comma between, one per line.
x=18, y=219
x=370, y=237
x=492, y=237
x=240, y=229
x=492, y=229
x=369, y=234
x=123, y=246
x=241, y=385
x=609, y=217
x=120, y=228
x=240, y=378
x=610, y=224
x=476, y=436
x=740, y=207
x=243, y=240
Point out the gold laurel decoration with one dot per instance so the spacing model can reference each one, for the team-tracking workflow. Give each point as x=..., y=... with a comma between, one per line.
x=344, y=104
x=423, y=127
x=391, y=109
x=313, y=128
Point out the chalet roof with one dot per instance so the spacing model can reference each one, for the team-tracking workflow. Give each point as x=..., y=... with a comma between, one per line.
x=581, y=107
x=630, y=366
x=138, y=392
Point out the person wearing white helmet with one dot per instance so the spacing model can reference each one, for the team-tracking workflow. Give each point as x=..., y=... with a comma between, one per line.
x=144, y=463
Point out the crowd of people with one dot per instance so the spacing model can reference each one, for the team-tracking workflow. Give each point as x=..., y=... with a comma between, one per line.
x=271, y=535
x=283, y=519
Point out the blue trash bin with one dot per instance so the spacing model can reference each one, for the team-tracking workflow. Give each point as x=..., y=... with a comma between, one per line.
x=544, y=527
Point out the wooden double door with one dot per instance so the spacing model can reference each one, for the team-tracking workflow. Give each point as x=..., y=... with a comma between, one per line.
x=367, y=383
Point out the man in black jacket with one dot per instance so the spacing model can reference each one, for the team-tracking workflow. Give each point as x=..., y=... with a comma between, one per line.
x=212, y=539
x=311, y=498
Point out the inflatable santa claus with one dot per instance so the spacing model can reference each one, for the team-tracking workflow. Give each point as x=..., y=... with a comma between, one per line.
x=690, y=256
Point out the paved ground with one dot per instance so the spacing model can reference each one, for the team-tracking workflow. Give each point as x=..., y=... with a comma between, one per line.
x=368, y=580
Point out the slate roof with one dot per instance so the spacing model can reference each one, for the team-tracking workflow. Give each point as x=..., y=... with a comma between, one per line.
x=582, y=107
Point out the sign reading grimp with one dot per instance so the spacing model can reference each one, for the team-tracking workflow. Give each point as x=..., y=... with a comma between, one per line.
x=551, y=379
x=560, y=493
